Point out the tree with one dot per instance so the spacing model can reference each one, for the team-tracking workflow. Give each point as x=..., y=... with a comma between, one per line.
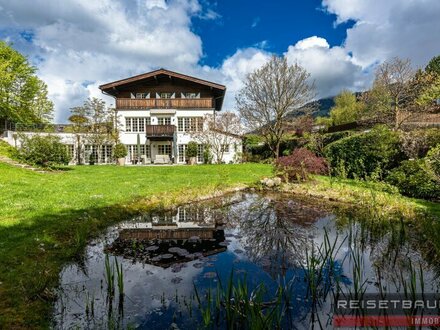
x=430, y=93
x=347, y=109
x=392, y=91
x=434, y=65
x=269, y=94
x=220, y=131
x=23, y=96
x=96, y=122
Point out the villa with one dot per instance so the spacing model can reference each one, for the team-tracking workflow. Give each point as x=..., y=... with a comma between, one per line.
x=158, y=114
x=165, y=108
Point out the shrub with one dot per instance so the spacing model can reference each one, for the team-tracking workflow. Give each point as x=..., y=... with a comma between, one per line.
x=207, y=155
x=417, y=143
x=191, y=149
x=365, y=155
x=433, y=162
x=46, y=151
x=300, y=164
x=318, y=141
x=413, y=179
x=120, y=151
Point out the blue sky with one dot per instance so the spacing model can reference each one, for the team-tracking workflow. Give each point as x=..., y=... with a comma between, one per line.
x=272, y=25
x=79, y=44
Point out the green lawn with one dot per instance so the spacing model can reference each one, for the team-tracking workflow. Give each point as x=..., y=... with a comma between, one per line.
x=46, y=219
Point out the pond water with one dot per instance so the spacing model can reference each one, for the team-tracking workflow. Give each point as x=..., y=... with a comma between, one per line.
x=169, y=265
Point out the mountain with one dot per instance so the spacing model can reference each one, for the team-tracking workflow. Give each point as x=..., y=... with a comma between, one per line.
x=322, y=106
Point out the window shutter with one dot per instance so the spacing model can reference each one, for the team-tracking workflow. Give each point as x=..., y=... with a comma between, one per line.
x=157, y=96
x=132, y=96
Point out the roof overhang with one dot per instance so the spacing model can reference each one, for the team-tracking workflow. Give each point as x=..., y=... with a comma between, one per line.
x=112, y=87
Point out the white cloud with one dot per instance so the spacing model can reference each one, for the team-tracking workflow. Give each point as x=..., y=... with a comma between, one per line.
x=80, y=44
x=100, y=41
x=332, y=68
x=384, y=29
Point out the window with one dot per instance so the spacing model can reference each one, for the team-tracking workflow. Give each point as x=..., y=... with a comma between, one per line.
x=200, y=124
x=165, y=95
x=70, y=151
x=164, y=120
x=128, y=124
x=182, y=153
x=181, y=214
x=133, y=152
x=190, y=124
x=200, y=150
x=106, y=154
x=142, y=95
x=181, y=149
x=136, y=124
x=192, y=95
x=225, y=148
x=180, y=124
x=164, y=149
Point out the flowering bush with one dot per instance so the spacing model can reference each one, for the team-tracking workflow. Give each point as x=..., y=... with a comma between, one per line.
x=300, y=164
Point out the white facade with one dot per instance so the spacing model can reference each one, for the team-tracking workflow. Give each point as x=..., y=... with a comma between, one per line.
x=132, y=124
x=75, y=143
x=129, y=135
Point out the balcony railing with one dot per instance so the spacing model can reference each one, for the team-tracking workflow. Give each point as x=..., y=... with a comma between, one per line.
x=160, y=131
x=127, y=103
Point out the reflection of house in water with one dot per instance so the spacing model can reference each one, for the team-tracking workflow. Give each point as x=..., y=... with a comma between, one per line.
x=188, y=233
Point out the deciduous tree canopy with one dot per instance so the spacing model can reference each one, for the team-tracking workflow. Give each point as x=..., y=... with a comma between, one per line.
x=23, y=96
x=269, y=94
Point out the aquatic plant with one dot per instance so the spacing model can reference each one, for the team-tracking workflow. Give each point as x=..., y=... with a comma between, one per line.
x=109, y=275
x=237, y=306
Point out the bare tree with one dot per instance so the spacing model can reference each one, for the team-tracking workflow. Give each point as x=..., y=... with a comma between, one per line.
x=219, y=133
x=96, y=121
x=392, y=91
x=269, y=94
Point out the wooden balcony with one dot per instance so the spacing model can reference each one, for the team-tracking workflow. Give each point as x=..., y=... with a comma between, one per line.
x=160, y=131
x=141, y=104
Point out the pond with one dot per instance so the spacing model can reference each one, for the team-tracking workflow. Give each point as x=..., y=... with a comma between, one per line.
x=278, y=259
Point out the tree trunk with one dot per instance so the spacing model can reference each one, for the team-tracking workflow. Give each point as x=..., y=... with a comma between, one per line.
x=277, y=151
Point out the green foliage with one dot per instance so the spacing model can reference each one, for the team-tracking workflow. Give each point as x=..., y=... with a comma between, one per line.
x=434, y=65
x=430, y=93
x=347, y=108
x=364, y=155
x=44, y=151
x=23, y=96
x=318, y=141
x=207, y=155
x=413, y=179
x=433, y=162
x=120, y=151
x=417, y=143
x=252, y=140
x=191, y=149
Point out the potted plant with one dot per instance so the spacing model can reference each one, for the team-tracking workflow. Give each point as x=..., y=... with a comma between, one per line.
x=120, y=152
x=92, y=159
x=191, y=152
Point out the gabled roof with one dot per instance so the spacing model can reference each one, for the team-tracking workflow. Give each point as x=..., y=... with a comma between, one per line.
x=155, y=73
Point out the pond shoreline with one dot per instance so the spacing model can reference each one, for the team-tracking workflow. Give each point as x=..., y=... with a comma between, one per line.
x=24, y=307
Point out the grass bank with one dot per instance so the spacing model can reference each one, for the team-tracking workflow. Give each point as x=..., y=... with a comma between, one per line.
x=47, y=218
x=381, y=199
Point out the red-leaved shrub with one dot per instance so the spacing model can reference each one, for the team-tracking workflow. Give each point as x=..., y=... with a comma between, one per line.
x=300, y=164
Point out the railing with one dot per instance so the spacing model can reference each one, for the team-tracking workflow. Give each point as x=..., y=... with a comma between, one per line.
x=160, y=130
x=127, y=103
